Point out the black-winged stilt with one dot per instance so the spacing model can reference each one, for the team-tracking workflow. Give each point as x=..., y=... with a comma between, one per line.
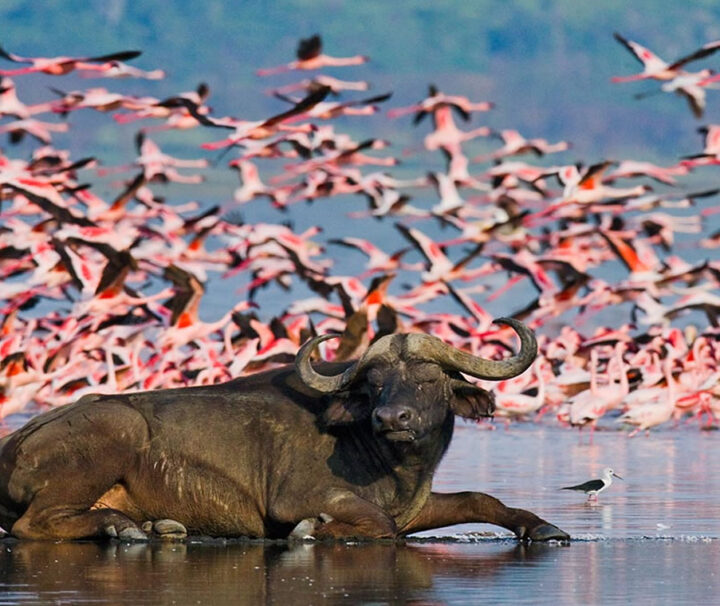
x=593, y=487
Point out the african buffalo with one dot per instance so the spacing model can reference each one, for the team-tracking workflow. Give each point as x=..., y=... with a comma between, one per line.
x=346, y=452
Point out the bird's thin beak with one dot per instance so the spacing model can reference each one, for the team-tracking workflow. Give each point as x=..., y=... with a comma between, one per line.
x=617, y=476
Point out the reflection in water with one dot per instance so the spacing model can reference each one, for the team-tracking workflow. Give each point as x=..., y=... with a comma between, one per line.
x=249, y=573
x=587, y=572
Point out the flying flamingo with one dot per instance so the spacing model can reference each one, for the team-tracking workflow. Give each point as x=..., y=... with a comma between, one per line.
x=38, y=129
x=439, y=266
x=252, y=186
x=688, y=85
x=310, y=56
x=515, y=144
x=635, y=168
x=436, y=99
x=710, y=154
x=171, y=109
x=378, y=260
x=327, y=110
x=58, y=66
x=10, y=105
x=244, y=129
x=656, y=68
x=319, y=81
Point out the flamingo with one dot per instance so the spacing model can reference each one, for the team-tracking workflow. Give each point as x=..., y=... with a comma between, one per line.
x=657, y=410
x=515, y=144
x=244, y=129
x=711, y=150
x=252, y=187
x=588, y=406
x=585, y=185
x=446, y=135
x=40, y=130
x=99, y=99
x=310, y=56
x=327, y=110
x=635, y=168
x=435, y=100
x=319, y=81
x=518, y=405
x=656, y=68
x=439, y=267
x=689, y=86
x=171, y=109
x=10, y=105
x=378, y=260
x=58, y=66
x=117, y=69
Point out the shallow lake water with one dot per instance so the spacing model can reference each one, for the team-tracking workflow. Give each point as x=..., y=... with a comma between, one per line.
x=652, y=538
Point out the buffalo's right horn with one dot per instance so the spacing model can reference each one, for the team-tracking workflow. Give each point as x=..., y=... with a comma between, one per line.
x=431, y=348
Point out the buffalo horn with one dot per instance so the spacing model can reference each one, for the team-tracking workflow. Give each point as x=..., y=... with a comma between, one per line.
x=421, y=347
x=331, y=384
x=431, y=348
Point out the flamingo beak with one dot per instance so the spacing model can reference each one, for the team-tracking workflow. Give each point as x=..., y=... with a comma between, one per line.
x=617, y=476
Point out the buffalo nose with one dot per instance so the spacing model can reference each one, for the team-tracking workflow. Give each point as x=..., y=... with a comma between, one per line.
x=393, y=418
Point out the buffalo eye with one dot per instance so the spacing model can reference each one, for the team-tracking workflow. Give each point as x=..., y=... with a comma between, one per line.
x=375, y=381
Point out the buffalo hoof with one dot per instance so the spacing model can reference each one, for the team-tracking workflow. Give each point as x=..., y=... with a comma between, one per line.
x=128, y=533
x=166, y=529
x=546, y=532
x=305, y=529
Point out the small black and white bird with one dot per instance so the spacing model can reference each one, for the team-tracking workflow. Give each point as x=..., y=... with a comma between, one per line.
x=593, y=487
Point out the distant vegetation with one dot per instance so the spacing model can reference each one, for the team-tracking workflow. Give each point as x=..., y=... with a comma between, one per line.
x=546, y=64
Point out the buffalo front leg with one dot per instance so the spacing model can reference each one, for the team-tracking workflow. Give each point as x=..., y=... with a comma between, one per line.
x=347, y=516
x=64, y=522
x=469, y=507
x=72, y=509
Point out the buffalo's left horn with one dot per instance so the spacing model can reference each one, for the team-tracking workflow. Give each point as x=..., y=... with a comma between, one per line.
x=431, y=348
x=309, y=376
x=331, y=384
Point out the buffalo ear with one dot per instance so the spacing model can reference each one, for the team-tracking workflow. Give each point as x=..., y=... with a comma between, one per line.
x=342, y=411
x=472, y=402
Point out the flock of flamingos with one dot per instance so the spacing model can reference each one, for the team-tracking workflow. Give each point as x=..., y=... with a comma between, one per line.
x=103, y=294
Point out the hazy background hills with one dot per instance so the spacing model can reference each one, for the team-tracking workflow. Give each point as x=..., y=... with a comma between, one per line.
x=546, y=64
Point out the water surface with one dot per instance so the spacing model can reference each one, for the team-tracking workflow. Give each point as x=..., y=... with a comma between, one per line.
x=654, y=538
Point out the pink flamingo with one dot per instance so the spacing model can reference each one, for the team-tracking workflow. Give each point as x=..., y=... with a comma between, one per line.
x=310, y=56
x=309, y=85
x=711, y=151
x=58, y=66
x=260, y=129
x=649, y=414
x=517, y=405
x=588, y=406
x=635, y=168
x=515, y=144
x=688, y=85
x=436, y=99
x=327, y=110
x=40, y=130
x=10, y=105
x=378, y=260
x=656, y=68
